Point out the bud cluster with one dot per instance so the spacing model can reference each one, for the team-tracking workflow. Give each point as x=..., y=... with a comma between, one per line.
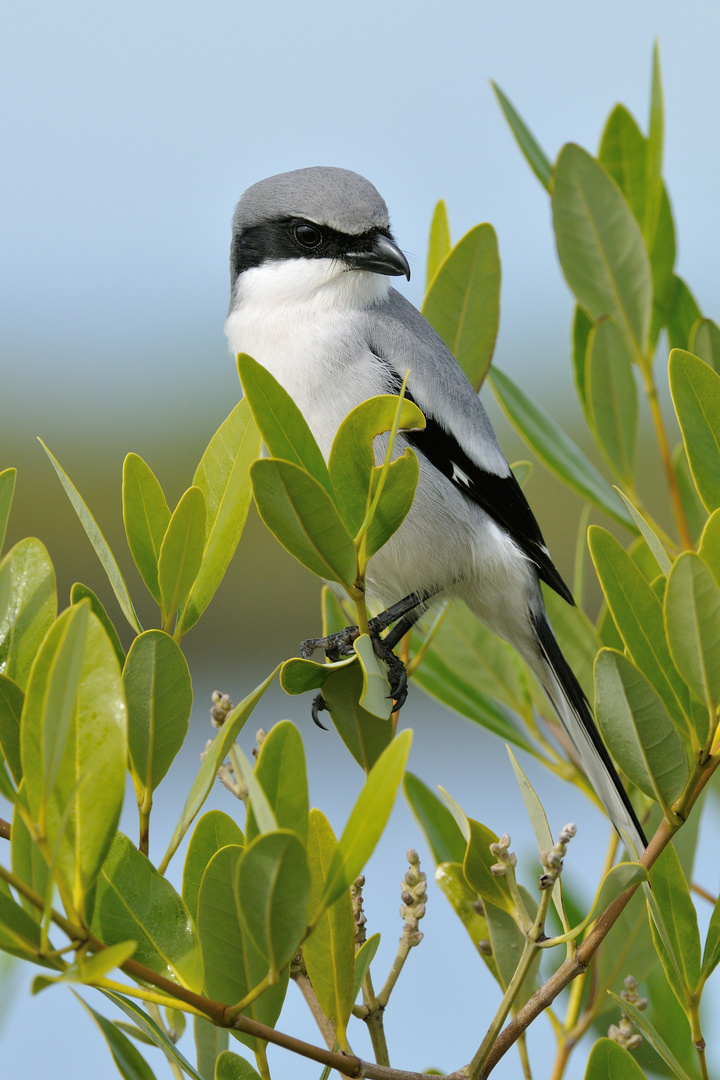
x=624, y=1033
x=222, y=705
x=552, y=861
x=260, y=737
x=358, y=914
x=506, y=859
x=414, y=896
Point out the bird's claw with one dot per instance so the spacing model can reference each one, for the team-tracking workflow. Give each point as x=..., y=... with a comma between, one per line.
x=336, y=646
x=318, y=706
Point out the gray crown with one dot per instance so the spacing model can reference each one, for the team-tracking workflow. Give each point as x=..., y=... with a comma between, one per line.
x=339, y=198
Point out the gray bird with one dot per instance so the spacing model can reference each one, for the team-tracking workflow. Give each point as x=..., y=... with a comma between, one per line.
x=310, y=262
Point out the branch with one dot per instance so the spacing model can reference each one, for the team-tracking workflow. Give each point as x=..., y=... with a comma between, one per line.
x=4, y=829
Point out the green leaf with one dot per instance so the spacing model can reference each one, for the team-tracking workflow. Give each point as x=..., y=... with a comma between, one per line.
x=477, y=863
x=363, y=959
x=366, y=736
x=375, y=697
x=709, y=549
x=74, y=746
x=679, y=919
x=329, y=951
x=440, y=243
x=303, y=518
x=210, y=1042
x=28, y=605
x=11, y=703
x=141, y=1019
x=464, y=902
x=507, y=941
x=446, y=841
x=534, y=155
x=231, y=1066
x=368, y=818
x=623, y=152
x=650, y=536
x=651, y=1034
x=233, y=965
x=7, y=490
x=582, y=325
x=695, y=388
x=612, y=396
x=130, y=1062
x=692, y=619
x=556, y=450
x=263, y=812
x=711, y=951
x=639, y=618
x=98, y=542
x=662, y=260
x=273, y=890
x=181, y=552
x=299, y=675
x=159, y=697
x=683, y=313
x=212, y=761
x=395, y=500
x=280, y=771
x=223, y=476
x=135, y=903
x=91, y=968
x=213, y=831
x=80, y=592
x=615, y=882
x=19, y=932
x=146, y=515
x=283, y=427
x=28, y=864
x=653, y=164
x=463, y=301
x=692, y=506
x=601, y=247
x=610, y=1061
x=467, y=667
x=637, y=729
x=576, y=636
x=704, y=342
x=352, y=462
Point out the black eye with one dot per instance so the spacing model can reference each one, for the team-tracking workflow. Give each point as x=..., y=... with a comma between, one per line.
x=308, y=235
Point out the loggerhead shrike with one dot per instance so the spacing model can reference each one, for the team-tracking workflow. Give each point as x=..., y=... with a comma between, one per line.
x=310, y=262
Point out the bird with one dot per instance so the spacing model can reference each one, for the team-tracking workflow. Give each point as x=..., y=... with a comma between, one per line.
x=311, y=258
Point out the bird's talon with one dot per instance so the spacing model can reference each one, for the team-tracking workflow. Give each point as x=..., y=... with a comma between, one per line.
x=318, y=706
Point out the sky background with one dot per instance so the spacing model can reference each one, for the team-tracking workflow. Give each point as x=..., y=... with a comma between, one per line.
x=129, y=130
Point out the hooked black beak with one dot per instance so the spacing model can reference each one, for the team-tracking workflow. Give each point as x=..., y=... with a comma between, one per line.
x=384, y=257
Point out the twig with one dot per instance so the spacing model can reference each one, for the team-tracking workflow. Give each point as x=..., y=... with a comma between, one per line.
x=4, y=829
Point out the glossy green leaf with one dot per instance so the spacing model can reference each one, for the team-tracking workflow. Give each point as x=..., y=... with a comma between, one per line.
x=679, y=919
x=704, y=342
x=709, y=549
x=695, y=512
x=223, y=476
x=74, y=746
x=146, y=515
x=80, y=592
x=231, y=1066
x=610, y=1061
x=582, y=325
x=476, y=864
x=135, y=903
x=130, y=1063
x=366, y=736
x=233, y=966
x=368, y=818
x=473, y=671
x=99, y=543
x=639, y=618
x=19, y=932
x=210, y=1042
x=91, y=968
x=7, y=490
x=601, y=247
x=692, y=619
x=11, y=703
x=650, y=536
x=541, y=827
x=329, y=951
x=463, y=301
x=299, y=675
x=464, y=902
x=446, y=841
x=534, y=155
x=303, y=518
x=555, y=449
x=628, y=948
x=273, y=890
x=283, y=427
x=263, y=813
x=375, y=698
x=141, y=1019
x=662, y=259
x=182, y=550
x=28, y=605
x=612, y=396
x=363, y=959
x=212, y=761
x=280, y=770
x=683, y=313
x=695, y=388
x=395, y=500
x=213, y=831
x=652, y=1035
x=711, y=950
x=653, y=163
x=158, y=690
x=507, y=941
x=439, y=244
x=28, y=864
x=7, y=788
x=637, y=729
x=576, y=636
x=623, y=155
x=352, y=462
x=615, y=882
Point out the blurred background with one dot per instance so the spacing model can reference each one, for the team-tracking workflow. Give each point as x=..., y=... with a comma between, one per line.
x=129, y=130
